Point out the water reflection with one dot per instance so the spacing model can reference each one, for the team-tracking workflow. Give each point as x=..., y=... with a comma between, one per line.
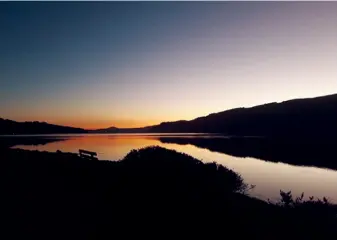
x=269, y=177
x=307, y=152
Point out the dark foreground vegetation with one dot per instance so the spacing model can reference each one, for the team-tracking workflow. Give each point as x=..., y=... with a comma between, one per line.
x=152, y=192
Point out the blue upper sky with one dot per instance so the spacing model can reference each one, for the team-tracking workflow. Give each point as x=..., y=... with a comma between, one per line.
x=137, y=63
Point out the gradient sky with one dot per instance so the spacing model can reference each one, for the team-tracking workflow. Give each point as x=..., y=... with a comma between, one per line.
x=134, y=64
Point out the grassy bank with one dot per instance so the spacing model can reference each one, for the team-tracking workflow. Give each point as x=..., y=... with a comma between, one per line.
x=151, y=192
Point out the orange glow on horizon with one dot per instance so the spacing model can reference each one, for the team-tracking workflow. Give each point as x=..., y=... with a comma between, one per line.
x=101, y=124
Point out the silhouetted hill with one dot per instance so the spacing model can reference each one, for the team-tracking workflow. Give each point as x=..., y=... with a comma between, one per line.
x=9, y=127
x=311, y=117
x=120, y=130
x=105, y=130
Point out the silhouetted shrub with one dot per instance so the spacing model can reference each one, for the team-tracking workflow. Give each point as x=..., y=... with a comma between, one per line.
x=175, y=166
x=311, y=206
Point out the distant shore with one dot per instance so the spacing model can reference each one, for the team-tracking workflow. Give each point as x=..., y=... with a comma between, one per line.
x=319, y=152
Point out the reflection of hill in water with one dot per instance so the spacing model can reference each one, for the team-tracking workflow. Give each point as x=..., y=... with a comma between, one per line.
x=320, y=153
x=29, y=140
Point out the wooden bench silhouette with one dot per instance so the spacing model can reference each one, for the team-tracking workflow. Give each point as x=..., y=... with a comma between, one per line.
x=87, y=154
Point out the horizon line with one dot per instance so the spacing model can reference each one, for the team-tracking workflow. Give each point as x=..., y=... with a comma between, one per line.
x=111, y=126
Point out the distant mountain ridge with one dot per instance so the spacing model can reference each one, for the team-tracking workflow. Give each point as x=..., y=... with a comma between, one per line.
x=310, y=117
x=121, y=130
x=9, y=127
x=105, y=130
x=305, y=117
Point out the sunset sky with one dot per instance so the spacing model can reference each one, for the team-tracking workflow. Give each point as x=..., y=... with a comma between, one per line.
x=105, y=64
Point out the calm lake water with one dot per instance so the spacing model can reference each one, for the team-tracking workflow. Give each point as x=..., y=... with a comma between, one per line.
x=269, y=177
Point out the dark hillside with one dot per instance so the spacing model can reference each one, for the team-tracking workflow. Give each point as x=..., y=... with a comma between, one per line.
x=312, y=117
x=9, y=127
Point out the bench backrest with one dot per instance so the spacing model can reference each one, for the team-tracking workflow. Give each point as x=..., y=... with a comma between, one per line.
x=87, y=154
